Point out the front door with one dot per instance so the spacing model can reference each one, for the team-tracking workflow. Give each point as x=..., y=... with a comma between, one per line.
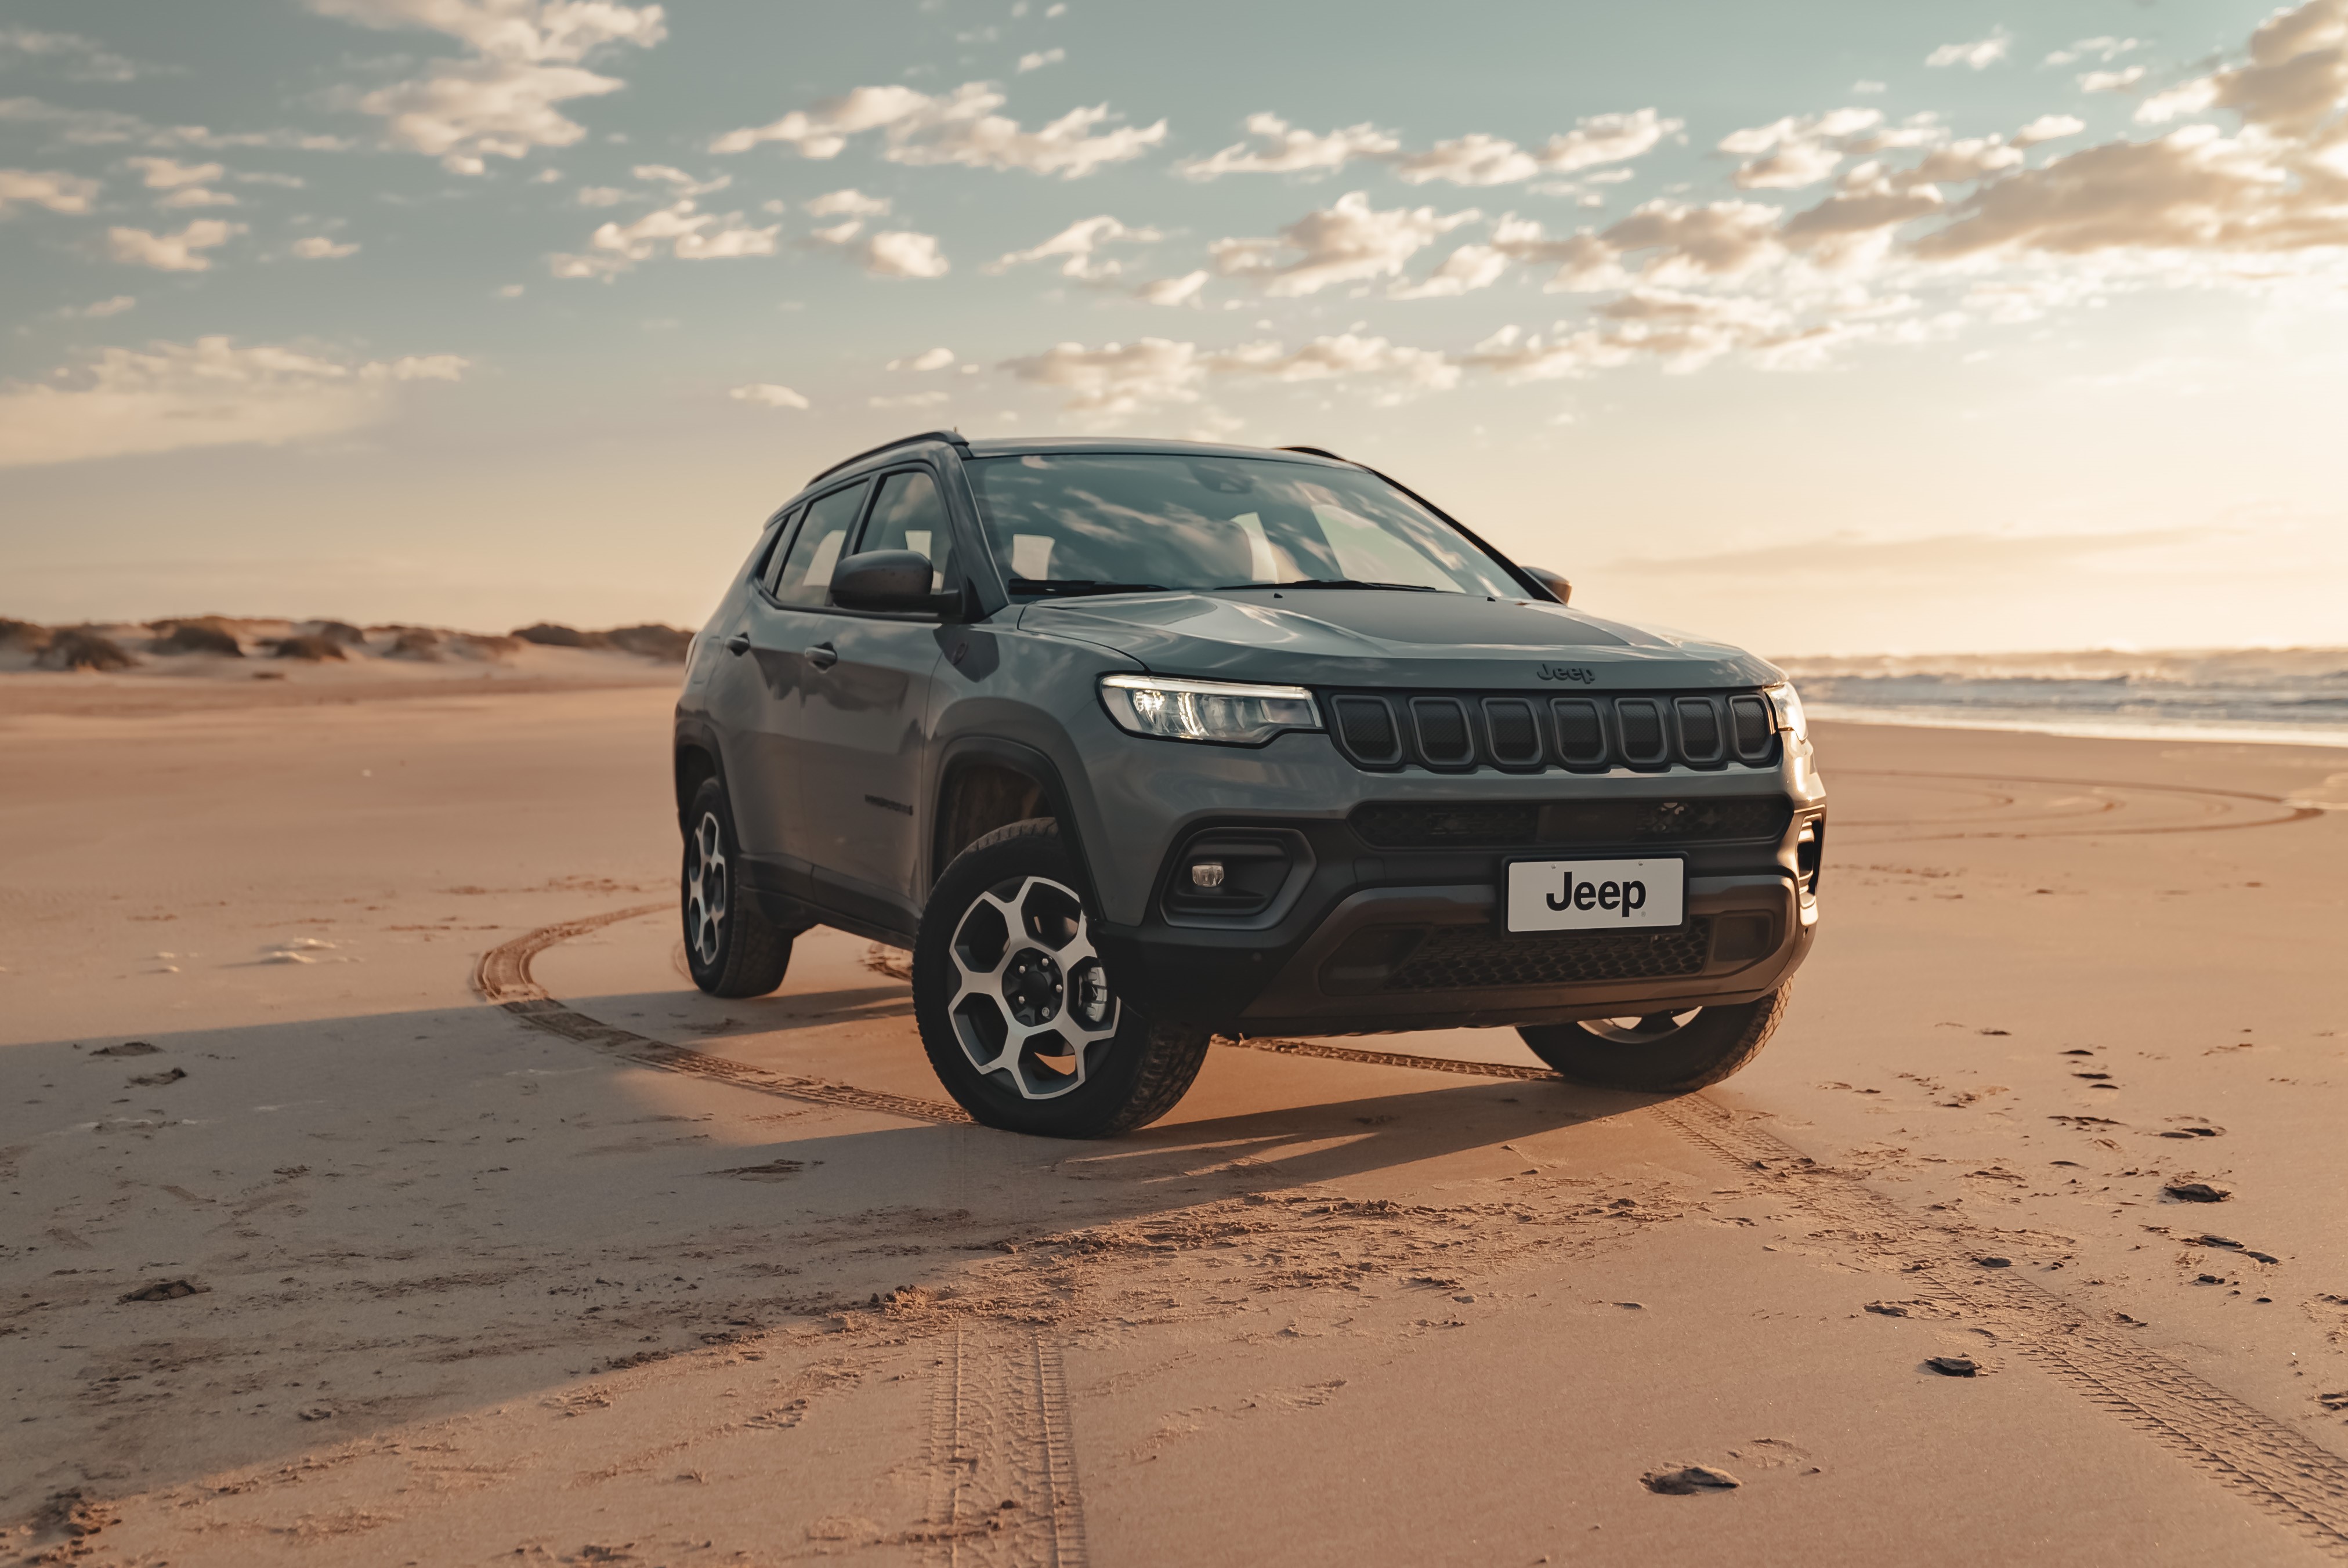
x=867, y=714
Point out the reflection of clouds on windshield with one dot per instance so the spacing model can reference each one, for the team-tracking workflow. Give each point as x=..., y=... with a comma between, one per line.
x=1188, y=522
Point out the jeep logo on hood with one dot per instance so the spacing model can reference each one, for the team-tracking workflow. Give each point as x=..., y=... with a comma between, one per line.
x=1581, y=674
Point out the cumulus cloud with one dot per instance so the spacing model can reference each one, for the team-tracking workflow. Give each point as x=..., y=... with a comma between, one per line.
x=1181, y=291
x=901, y=253
x=1076, y=248
x=210, y=393
x=171, y=252
x=1040, y=58
x=688, y=233
x=2111, y=81
x=767, y=394
x=69, y=56
x=111, y=127
x=1477, y=158
x=1115, y=378
x=2048, y=128
x=51, y=189
x=2105, y=49
x=1348, y=243
x=959, y=126
x=1465, y=270
x=319, y=248
x=1343, y=356
x=1978, y=55
x=850, y=203
x=927, y=360
x=500, y=102
x=1798, y=151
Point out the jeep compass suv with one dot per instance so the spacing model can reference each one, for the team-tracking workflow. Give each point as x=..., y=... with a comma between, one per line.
x=1134, y=743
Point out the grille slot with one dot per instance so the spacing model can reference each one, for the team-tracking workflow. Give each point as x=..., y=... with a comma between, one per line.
x=1501, y=825
x=1443, y=738
x=1701, y=741
x=1467, y=957
x=1515, y=736
x=1641, y=722
x=1365, y=727
x=1580, y=736
x=1752, y=727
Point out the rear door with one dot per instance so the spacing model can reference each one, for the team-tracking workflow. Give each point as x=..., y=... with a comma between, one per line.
x=786, y=618
x=867, y=712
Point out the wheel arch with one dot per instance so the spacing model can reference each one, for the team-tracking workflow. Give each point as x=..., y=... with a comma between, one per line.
x=985, y=783
x=694, y=757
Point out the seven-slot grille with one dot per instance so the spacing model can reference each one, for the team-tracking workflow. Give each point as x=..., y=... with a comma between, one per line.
x=1457, y=733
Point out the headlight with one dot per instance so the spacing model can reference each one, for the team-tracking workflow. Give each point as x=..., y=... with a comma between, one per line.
x=1788, y=705
x=1206, y=710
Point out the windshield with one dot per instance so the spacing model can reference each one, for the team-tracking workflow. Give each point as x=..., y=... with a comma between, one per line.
x=1119, y=522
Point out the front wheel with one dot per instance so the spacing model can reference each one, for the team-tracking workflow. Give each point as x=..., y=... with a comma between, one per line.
x=1661, y=1052
x=1020, y=1016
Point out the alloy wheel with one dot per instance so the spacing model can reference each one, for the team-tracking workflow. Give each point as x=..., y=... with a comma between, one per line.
x=706, y=893
x=1032, y=1002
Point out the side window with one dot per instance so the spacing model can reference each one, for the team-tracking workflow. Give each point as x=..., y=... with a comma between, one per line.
x=770, y=565
x=822, y=540
x=909, y=515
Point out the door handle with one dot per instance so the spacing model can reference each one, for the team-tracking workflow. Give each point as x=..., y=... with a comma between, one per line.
x=823, y=656
x=738, y=645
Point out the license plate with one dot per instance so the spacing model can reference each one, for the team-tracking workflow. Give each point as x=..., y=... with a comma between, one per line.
x=1596, y=895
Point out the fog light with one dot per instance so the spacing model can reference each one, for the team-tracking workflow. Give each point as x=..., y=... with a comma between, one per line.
x=1207, y=873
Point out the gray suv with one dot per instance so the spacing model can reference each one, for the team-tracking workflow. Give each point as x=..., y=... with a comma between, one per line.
x=1135, y=742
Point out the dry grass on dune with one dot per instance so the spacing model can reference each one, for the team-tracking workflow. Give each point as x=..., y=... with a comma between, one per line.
x=204, y=634
x=82, y=648
x=309, y=647
x=665, y=644
x=187, y=644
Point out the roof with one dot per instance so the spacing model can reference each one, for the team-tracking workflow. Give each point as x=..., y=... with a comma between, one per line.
x=1035, y=445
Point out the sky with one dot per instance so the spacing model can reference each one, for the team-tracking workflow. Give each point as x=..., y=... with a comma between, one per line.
x=1819, y=328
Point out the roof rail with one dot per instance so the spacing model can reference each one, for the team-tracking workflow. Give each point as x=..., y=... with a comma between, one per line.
x=951, y=437
x=1315, y=452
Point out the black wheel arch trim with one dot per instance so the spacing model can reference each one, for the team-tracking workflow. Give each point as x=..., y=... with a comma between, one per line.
x=965, y=751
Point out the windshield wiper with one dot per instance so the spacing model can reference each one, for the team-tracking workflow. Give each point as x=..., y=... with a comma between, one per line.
x=1079, y=585
x=1334, y=582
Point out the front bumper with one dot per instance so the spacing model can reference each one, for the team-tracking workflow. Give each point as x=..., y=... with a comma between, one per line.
x=1378, y=943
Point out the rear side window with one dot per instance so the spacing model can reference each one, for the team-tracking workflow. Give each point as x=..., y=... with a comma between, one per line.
x=909, y=515
x=822, y=538
x=770, y=558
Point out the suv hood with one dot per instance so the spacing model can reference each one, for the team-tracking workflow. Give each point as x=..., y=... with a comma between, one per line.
x=1374, y=637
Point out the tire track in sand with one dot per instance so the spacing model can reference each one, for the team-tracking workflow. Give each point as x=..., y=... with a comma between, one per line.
x=2011, y=817
x=1002, y=1477
x=2293, y=1478
x=503, y=979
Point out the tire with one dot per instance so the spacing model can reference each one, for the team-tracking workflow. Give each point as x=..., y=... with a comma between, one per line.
x=1662, y=1053
x=732, y=948
x=1018, y=1013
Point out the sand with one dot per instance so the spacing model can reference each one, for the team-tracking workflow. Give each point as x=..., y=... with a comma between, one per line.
x=604, y=1270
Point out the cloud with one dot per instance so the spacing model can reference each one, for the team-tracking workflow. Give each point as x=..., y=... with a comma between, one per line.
x=2111, y=81
x=2105, y=49
x=1282, y=148
x=1936, y=555
x=767, y=394
x=1465, y=270
x=52, y=189
x=183, y=184
x=319, y=248
x=210, y=393
x=1789, y=153
x=603, y=195
x=1474, y=160
x=847, y=203
x=901, y=253
x=690, y=234
x=527, y=59
x=955, y=127
x=109, y=127
x=70, y=56
x=1040, y=58
x=1181, y=291
x=683, y=183
x=171, y=252
x=101, y=308
x=1115, y=378
x=1350, y=241
x=1978, y=55
x=1343, y=356
x=1074, y=247
x=928, y=360
x=2048, y=128
x=910, y=400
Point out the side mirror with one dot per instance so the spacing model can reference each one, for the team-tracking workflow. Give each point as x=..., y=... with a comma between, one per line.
x=889, y=580
x=1559, y=588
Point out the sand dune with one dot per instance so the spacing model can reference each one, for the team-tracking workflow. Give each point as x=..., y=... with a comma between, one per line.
x=597, y=1268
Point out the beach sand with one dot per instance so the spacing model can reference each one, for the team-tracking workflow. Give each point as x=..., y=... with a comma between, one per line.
x=617, y=1272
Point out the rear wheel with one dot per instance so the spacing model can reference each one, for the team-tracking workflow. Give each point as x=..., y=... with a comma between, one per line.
x=732, y=948
x=1020, y=1016
x=1661, y=1052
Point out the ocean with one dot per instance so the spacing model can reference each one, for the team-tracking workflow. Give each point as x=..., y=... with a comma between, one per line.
x=2296, y=695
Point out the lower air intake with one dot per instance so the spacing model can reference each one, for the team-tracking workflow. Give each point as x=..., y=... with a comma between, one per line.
x=1465, y=957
